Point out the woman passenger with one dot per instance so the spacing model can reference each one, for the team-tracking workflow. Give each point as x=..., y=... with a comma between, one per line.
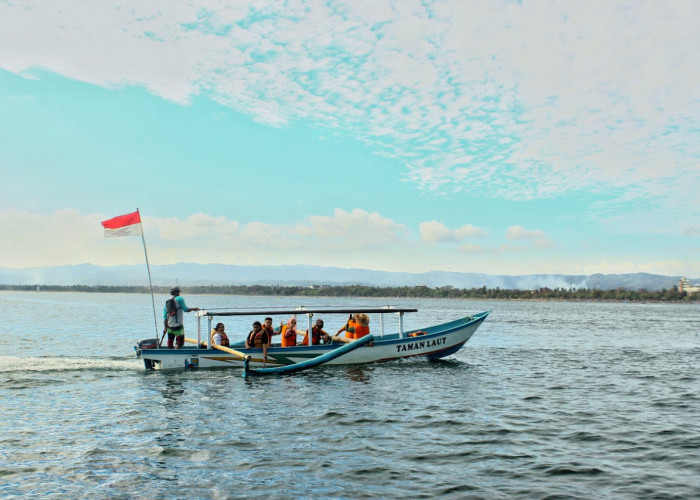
x=289, y=333
x=218, y=335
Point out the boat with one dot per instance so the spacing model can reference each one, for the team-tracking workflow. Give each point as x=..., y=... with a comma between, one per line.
x=432, y=342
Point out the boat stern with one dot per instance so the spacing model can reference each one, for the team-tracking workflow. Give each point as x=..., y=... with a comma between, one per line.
x=146, y=345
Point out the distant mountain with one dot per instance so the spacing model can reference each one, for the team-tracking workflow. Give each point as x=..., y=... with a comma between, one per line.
x=220, y=274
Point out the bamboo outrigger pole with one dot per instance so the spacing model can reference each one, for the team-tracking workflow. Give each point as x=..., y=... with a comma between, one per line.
x=221, y=348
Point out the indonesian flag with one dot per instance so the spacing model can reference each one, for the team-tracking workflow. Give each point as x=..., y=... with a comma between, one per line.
x=123, y=225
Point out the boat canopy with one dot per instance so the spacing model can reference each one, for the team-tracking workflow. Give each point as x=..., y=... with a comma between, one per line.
x=303, y=310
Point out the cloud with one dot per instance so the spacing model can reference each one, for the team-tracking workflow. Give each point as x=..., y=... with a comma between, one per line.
x=520, y=233
x=538, y=237
x=194, y=228
x=436, y=232
x=355, y=229
x=515, y=100
x=344, y=235
x=343, y=231
x=472, y=248
x=65, y=237
x=349, y=237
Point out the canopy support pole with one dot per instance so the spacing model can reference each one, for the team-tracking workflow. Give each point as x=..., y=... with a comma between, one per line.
x=210, y=318
x=310, y=335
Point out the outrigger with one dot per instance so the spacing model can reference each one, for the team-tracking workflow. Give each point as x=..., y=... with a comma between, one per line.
x=433, y=342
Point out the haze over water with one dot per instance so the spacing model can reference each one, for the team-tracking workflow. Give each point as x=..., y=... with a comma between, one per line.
x=579, y=400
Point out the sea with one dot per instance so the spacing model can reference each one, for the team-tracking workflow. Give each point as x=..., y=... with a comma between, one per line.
x=547, y=400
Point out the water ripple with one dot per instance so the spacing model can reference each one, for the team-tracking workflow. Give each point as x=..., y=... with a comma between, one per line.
x=535, y=406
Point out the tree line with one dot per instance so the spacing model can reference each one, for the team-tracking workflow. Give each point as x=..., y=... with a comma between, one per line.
x=444, y=292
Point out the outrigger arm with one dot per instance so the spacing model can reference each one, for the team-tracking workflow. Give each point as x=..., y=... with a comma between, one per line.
x=309, y=363
x=296, y=367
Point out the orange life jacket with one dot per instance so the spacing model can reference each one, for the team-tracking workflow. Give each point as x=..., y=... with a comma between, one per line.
x=288, y=339
x=351, y=324
x=257, y=340
x=417, y=334
x=224, y=338
x=315, y=336
x=360, y=331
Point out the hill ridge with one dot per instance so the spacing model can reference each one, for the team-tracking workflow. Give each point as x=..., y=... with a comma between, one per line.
x=300, y=275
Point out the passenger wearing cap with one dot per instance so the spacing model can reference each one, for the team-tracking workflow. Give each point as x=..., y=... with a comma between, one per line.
x=173, y=319
x=356, y=328
x=318, y=334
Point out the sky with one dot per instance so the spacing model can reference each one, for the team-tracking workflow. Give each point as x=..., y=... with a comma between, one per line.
x=497, y=137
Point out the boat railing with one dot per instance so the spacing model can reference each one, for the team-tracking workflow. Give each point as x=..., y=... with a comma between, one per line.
x=209, y=314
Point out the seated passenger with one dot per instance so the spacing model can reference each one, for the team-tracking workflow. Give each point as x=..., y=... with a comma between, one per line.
x=356, y=328
x=257, y=338
x=289, y=333
x=269, y=329
x=349, y=324
x=218, y=335
x=318, y=334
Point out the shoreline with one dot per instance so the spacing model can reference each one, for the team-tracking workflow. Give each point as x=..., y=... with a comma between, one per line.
x=367, y=292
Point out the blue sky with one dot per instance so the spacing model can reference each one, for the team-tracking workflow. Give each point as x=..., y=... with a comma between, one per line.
x=497, y=137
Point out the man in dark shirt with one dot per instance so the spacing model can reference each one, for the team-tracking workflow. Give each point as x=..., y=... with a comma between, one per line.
x=258, y=338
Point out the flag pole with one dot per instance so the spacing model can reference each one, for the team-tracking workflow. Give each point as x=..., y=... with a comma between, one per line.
x=150, y=282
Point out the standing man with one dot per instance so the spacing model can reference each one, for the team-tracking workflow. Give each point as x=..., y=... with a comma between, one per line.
x=172, y=318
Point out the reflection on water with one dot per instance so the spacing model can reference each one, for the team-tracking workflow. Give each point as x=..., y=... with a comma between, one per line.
x=358, y=374
x=173, y=389
x=170, y=439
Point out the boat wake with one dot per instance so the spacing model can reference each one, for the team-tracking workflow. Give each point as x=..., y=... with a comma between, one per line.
x=10, y=364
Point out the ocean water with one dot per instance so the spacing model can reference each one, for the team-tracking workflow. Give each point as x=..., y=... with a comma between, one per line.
x=547, y=400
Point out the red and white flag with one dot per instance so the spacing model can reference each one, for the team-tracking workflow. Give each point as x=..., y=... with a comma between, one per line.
x=123, y=225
